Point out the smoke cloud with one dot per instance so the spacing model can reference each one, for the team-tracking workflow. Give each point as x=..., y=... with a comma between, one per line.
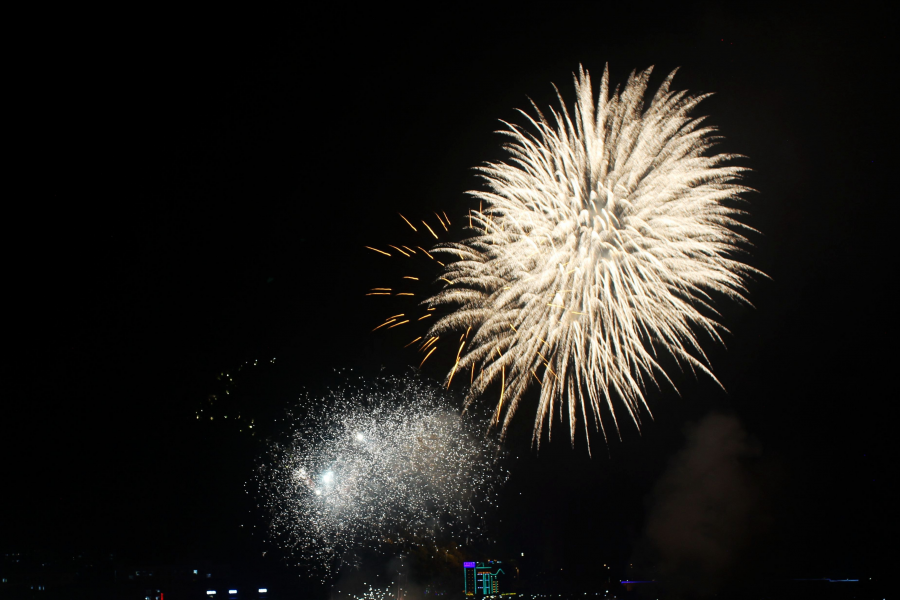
x=705, y=509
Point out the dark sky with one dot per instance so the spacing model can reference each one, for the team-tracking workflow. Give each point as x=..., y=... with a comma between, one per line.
x=196, y=195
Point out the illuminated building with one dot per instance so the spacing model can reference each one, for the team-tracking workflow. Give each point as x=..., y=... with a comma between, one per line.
x=482, y=578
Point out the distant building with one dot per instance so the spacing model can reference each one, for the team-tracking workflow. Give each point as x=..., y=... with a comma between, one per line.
x=482, y=578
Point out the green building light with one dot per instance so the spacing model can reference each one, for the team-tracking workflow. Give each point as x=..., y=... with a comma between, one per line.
x=482, y=579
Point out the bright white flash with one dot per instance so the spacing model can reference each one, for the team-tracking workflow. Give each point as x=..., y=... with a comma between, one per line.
x=328, y=478
x=600, y=248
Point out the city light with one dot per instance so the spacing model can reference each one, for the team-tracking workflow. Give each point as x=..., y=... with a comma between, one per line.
x=263, y=590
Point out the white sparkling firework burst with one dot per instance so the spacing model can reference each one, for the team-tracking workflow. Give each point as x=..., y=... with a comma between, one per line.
x=377, y=464
x=596, y=251
x=376, y=594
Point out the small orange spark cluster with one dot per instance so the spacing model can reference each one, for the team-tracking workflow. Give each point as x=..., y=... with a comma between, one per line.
x=429, y=345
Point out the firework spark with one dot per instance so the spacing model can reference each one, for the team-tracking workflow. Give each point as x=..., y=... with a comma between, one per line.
x=595, y=252
x=377, y=464
x=376, y=594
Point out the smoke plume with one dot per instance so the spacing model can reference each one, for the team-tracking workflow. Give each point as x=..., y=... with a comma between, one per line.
x=705, y=508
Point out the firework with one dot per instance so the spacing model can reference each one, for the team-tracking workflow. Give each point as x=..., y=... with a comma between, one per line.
x=406, y=294
x=596, y=250
x=377, y=464
x=376, y=594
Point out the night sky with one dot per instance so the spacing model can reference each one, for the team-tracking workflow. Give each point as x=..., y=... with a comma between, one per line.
x=197, y=196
